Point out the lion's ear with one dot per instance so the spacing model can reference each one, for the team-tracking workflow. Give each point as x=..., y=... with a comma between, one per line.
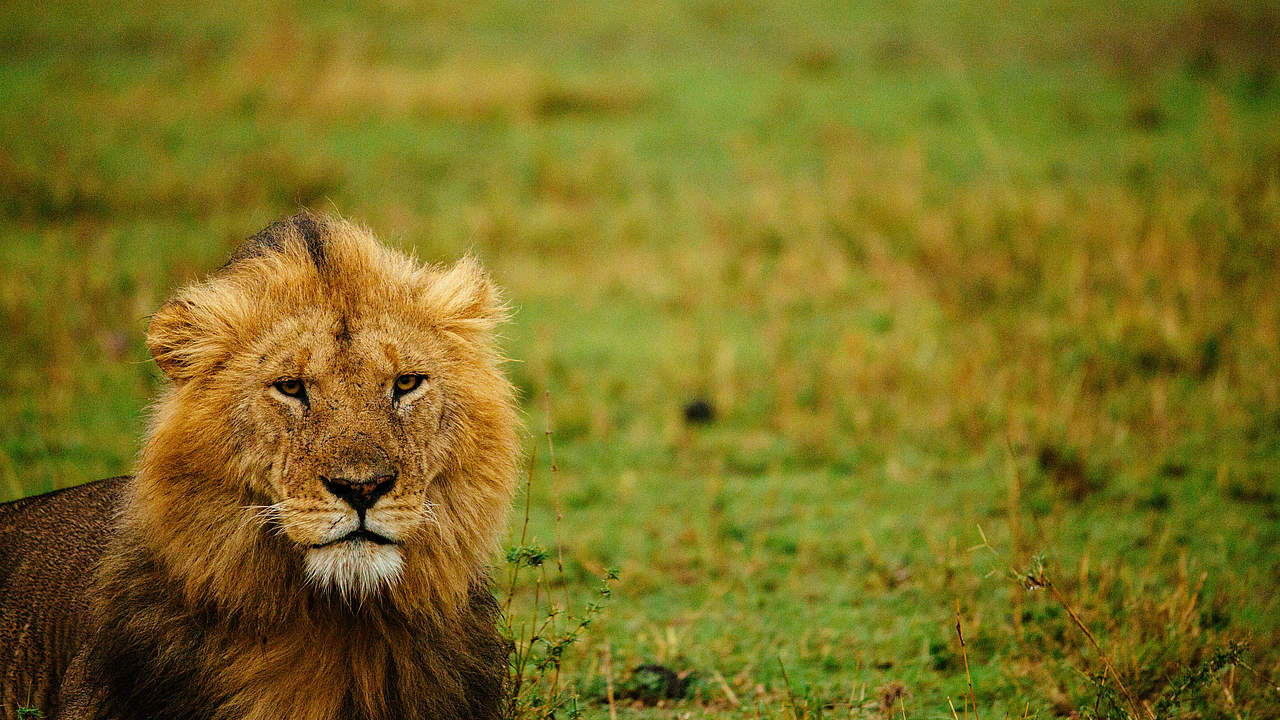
x=171, y=330
x=464, y=298
x=189, y=334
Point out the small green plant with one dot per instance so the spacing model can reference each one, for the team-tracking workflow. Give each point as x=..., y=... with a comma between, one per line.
x=27, y=712
x=541, y=637
x=527, y=556
x=1195, y=677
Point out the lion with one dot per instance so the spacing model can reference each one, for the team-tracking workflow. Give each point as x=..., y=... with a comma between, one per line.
x=308, y=530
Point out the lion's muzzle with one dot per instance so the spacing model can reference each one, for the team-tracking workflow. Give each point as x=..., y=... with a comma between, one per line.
x=360, y=494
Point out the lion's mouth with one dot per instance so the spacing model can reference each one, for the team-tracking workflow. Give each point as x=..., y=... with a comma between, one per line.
x=359, y=535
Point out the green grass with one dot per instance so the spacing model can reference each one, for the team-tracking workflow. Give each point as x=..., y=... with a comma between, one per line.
x=938, y=267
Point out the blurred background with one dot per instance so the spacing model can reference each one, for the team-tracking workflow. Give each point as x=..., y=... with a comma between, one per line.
x=815, y=297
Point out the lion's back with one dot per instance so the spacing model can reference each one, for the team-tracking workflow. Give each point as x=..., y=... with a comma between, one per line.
x=49, y=546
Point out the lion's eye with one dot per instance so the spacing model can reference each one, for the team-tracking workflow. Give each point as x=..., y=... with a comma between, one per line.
x=292, y=388
x=406, y=384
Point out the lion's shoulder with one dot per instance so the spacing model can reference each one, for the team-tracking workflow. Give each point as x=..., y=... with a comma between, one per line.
x=37, y=532
x=49, y=547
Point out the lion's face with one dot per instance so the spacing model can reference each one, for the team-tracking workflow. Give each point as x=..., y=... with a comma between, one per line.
x=344, y=425
x=352, y=395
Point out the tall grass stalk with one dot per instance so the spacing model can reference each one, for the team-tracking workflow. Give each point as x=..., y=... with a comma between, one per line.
x=540, y=636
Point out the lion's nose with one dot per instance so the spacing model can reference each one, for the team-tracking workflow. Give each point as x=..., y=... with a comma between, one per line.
x=360, y=494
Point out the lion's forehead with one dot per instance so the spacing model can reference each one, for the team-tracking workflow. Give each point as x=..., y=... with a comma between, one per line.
x=323, y=342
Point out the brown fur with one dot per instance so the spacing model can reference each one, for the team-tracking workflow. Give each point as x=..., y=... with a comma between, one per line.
x=223, y=589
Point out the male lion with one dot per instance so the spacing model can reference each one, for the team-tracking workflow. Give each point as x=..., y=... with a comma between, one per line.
x=314, y=506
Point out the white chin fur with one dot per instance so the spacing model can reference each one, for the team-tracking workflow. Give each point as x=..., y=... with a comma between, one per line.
x=355, y=569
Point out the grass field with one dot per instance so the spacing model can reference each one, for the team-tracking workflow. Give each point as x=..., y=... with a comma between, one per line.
x=947, y=273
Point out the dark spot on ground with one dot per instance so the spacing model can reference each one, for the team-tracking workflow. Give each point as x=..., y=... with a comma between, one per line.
x=1147, y=116
x=1253, y=488
x=816, y=59
x=941, y=110
x=891, y=695
x=1068, y=473
x=699, y=412
x=651, y=683
x=1203, y=60
x=1259, y=81
x=898, y=51
x=942, y=658
x=1158, y=500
